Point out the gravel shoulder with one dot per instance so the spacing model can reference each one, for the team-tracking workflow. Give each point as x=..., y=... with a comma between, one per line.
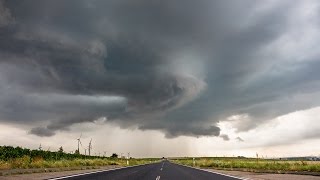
x=266, y=176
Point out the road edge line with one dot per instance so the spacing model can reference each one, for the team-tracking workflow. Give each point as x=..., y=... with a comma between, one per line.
x=213, y=172
x=81, y=174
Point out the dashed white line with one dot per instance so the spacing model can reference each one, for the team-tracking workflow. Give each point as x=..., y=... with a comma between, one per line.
x=158, y=178
x=162, y=166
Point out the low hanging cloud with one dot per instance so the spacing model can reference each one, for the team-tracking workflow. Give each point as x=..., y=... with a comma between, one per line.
x=156, y=65
x=239, y=139
x=225, y=137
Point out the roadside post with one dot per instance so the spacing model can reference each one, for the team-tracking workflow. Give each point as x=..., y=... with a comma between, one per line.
x=128, y=159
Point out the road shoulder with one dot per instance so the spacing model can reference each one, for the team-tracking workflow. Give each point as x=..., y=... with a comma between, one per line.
x=265, y=176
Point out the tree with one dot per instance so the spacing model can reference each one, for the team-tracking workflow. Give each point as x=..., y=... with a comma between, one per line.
x=60, y=149
x=114, y=155
x=76, y=151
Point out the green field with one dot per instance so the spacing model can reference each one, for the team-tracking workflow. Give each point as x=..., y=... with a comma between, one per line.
x=22, y=158
x=26, y=162
x=252, y=164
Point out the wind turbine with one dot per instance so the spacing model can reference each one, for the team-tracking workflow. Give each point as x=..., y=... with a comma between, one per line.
x=90, y=147
x=79, y=142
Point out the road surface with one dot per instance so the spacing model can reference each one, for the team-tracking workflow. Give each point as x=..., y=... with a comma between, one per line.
x=164, y=170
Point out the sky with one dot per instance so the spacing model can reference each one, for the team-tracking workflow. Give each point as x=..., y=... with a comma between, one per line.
x=161, y=78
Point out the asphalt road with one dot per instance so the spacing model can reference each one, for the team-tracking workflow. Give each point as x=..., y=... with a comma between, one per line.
x=163, y=170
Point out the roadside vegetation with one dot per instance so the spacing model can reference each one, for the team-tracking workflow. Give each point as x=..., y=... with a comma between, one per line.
x=252, y=164
x=22, y=158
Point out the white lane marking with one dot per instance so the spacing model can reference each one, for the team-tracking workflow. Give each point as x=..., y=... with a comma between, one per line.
x=214, y=172
x=162, y=166
x=81, y=174
x=158, y=178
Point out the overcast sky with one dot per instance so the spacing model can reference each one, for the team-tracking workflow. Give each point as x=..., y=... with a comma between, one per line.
x=204, y=78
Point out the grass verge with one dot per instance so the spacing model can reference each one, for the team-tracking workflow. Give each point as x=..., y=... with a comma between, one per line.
x=254, y=165
x=27, y=164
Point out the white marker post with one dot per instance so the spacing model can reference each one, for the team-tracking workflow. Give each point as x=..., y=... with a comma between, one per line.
x=194, y=162
x=128, y=159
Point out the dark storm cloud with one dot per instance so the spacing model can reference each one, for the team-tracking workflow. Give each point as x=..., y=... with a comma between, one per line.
x=5, y=15
x=163, y=65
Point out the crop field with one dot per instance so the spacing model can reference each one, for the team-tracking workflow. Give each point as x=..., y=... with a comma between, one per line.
x=252, y=164
x=21, y=158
